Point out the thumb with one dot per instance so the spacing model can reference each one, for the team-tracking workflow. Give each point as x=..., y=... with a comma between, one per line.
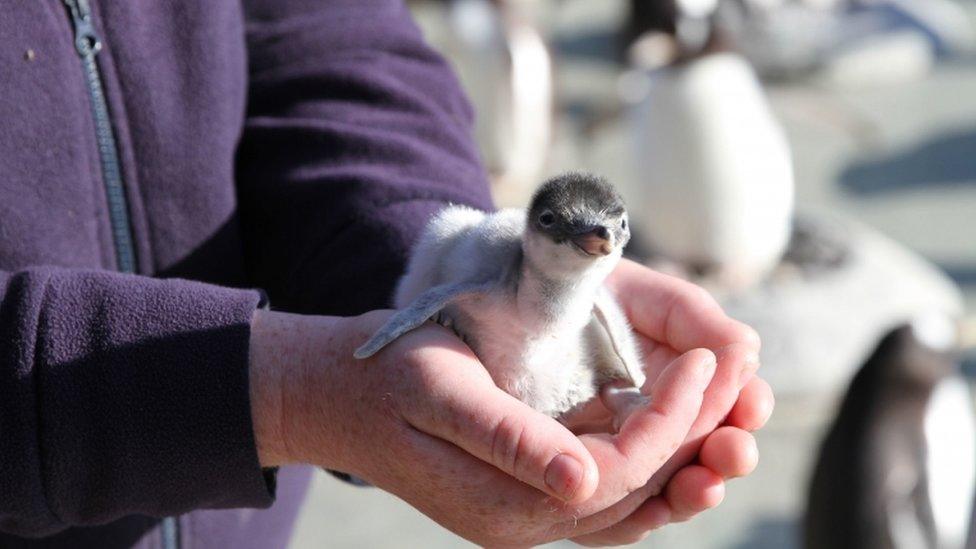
x=475, y=415
x=650, y=435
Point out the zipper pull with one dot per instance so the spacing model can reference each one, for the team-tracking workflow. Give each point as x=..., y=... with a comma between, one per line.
x=87, y=42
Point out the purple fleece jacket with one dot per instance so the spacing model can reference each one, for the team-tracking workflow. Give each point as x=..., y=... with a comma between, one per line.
x=297, y=146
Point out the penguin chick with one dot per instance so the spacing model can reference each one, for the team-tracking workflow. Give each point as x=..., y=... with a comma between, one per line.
x=524, y=289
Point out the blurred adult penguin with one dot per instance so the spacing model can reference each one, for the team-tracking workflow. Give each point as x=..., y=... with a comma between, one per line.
x=714, y=170
x=896, y=469
x=506, y=67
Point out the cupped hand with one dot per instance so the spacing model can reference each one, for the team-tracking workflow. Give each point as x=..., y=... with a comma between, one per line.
x=423, y=420
x=672, y=316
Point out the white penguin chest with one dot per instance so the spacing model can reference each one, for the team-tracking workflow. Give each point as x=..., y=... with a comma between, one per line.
x=550, y=370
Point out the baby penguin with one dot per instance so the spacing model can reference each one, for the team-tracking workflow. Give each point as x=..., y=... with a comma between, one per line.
x=524, y=290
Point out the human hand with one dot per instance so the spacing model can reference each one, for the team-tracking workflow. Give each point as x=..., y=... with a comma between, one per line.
x=671, y=316
x=423, y=420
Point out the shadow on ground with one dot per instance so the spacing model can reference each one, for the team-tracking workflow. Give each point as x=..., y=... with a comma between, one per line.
x=771, y=533
x=594, y=46
x=968, y=366
x=962, y=273
x=946, y=160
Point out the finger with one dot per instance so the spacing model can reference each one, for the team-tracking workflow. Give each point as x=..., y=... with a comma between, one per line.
x=729, y=452
x=646, y=441
x=719, y=399
x=657, y=356
x=465, y=408
x=463, y=493
x=443, y=478
x=692, y=490
x=653, y=514
x=649, y=437
x=671, y=310
x=755, y=405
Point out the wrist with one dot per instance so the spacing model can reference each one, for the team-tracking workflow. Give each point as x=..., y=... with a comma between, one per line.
x=285, y=352
x=265, y=387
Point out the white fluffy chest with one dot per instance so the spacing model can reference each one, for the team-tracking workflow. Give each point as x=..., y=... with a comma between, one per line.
x=549, y=369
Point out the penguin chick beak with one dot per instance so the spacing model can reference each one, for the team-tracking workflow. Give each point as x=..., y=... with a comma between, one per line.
x=595, y=241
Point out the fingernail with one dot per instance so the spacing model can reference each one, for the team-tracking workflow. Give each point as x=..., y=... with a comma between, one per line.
x=749, y=367
x=564, y=475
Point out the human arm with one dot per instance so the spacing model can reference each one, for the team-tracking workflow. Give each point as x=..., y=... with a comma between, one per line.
x=356, y=134
x=122, y=394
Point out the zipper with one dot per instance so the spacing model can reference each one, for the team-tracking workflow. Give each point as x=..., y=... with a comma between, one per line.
x=87, y=45
x=171, y=533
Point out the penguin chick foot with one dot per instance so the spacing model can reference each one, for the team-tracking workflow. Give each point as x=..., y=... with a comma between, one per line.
x=622, y=401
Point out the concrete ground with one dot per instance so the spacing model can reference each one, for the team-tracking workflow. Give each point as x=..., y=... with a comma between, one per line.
x=900, y=157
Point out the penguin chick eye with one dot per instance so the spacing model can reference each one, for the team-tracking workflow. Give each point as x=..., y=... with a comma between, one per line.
x=623, y=224
x=547, y=219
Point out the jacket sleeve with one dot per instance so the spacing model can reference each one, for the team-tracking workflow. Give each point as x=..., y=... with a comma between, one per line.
x=356, y=134
x=122, y=395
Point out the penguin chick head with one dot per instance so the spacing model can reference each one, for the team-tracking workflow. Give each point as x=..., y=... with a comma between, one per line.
x=574, y=221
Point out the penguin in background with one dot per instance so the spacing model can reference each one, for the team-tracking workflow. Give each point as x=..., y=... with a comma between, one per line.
x=897, y=467
x=713, y=172
x=504, y=62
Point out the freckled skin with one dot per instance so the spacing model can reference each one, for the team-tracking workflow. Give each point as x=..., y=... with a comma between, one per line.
x=388, y=400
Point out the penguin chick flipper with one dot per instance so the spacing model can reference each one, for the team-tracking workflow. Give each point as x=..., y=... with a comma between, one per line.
x=419, y=311
x=612, y=341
